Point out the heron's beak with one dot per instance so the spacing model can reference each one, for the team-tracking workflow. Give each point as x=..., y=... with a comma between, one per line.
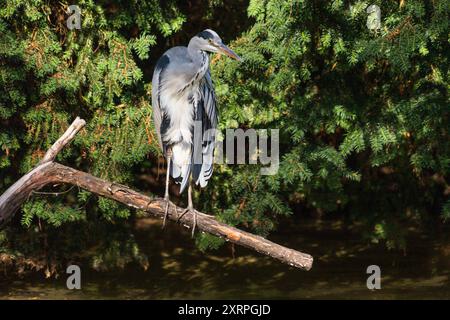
x=227, y=51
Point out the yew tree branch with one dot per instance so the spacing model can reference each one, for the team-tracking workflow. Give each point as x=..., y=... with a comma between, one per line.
x=49, y=172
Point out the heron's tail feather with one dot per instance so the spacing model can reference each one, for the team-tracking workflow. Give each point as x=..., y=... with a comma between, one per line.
x=203, y=172
x=175, y=172
x=181, y=164
x=186, y=173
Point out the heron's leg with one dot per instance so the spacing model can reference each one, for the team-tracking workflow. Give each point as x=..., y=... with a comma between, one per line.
x=166, y=193
x=190, y=208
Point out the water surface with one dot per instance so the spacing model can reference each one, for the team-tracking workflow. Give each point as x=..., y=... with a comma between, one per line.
x=178, y=270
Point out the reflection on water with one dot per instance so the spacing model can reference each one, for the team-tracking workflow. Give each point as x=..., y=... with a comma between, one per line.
x=178, y=270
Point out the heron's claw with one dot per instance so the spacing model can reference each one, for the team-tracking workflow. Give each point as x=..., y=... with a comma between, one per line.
x=194, y=212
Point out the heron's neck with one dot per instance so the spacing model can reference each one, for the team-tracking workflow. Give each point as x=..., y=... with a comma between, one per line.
x=199, y=58
x=194, y=49
x=196, y=53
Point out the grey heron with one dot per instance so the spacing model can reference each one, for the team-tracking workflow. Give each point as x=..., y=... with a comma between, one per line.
x=183, y=95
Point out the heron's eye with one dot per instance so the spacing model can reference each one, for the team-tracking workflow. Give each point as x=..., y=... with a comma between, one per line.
x=210, y=41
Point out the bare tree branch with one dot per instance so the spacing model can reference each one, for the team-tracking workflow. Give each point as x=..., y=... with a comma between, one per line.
x=49, y=172
x=66, y=138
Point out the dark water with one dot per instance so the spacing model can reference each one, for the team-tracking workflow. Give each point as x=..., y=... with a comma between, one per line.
x=178, y=270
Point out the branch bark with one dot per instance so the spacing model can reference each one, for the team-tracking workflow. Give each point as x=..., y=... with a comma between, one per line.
x=65, y=139
x=50, y=172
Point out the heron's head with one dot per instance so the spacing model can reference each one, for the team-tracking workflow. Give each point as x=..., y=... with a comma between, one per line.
x=209, y=40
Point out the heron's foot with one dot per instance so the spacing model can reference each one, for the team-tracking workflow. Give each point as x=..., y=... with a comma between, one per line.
x=192, y=211
x=166, y=211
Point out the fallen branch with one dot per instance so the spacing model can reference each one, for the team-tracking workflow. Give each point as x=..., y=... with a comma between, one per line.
x=50, y=172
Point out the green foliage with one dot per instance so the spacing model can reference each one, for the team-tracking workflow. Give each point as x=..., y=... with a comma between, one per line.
x=119, y=252
x=208, y=242
x=54, y=214
x=363, y=115
x=446, y=210
x=50, y=74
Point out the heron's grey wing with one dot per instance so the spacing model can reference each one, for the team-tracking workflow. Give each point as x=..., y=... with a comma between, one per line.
x=209, y=100
x=206, y=112
x=156, y=94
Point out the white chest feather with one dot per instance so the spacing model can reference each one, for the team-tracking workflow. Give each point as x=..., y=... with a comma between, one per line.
x=180, y=111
